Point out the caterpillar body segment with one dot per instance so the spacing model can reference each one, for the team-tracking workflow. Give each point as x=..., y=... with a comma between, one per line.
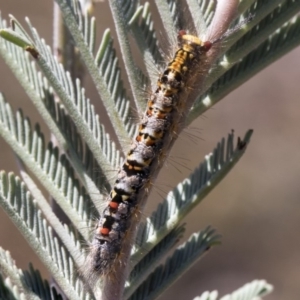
x=159, y=118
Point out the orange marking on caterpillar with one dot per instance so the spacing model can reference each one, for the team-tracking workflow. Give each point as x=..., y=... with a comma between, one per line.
x=135, y=175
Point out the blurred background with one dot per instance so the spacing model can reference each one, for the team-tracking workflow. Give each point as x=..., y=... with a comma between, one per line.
x=256, y=207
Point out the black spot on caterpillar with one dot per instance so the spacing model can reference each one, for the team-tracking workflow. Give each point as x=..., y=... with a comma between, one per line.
x=159, y=118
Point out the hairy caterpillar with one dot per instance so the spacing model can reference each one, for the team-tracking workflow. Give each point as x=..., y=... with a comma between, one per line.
x=159, y=118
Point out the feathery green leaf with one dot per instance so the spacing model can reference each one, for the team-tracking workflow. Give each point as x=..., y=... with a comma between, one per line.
x=176, y=265
x=79, y=108
x=10, y=270
x=142, y=270
x=283, y=41
x=22, y=210
x=267, y=17
x=103, y=81
x=60, y=125
x=8, y=291
x=250, y=291
x=53, y=171
x=142, y=29
x=189, y=193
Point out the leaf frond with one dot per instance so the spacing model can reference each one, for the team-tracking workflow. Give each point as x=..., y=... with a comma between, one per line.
x=208, y=8
x=60, y=125
x=77, y=105
x=122, y=30
x=261, y=30
x=202, y=11
x=103, y=82
x=32, y=82
x=252, y=34
x=86, y=24
x=267, y=17
x=40, y=286
x=208, y=296
x=189, y=193
x=12, y=285
x=8, y=291
x=108, y=66
x=281, y=42
x=79, y=108
x=250, y=291
x=169, y=15
x=12, y=188
x=53, y=171
x=176, y=265
x=22, y=210
x=79, y=154
x=64, y=232
x=143, y=31
x=257, y=11
x=142, y=270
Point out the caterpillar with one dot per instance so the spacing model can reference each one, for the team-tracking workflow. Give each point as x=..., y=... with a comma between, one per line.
x=133, y=177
